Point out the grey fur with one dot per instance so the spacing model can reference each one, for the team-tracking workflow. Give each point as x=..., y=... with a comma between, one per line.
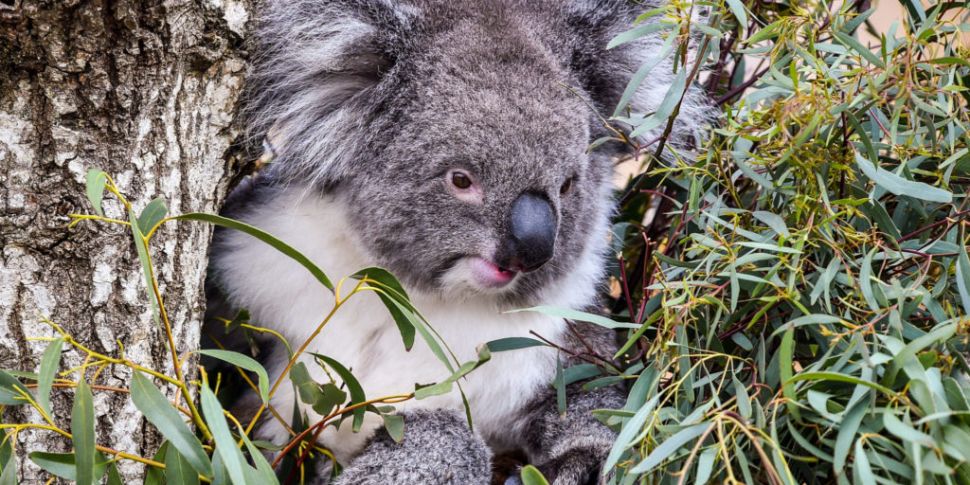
x=354, y=92
x=438, y=449
x=569, y=448
x=370, y=102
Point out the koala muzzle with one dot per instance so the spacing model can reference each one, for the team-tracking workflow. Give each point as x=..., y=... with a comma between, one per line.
x=531, y=234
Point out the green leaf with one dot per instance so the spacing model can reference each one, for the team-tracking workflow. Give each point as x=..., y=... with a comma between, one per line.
x=63, y=464
x=900, y=186
x=513, y=343
x=580, y=372
x=394, y=424
x=908, y=353
x=743, y=399
x=156, y=476
x=445, y=386
x=82, y=431
x=8, y=461
x=666, y=107
x=394, y=298
x=532, y=476
x=785, y=368
x=114, y=478
x=578, y=316
x=858, y=20
x=162, y=414
x=862, y=468
x=307, y=388
x=737, y=8
x=846, y=433
x=12, y=391
x=637, y=33
x=950, y=61
x=705, y=465
x=49, y=364
x=835, y=376
x=963, y=278
x=637, y=79
x=6, y=448
x=243, y=362
x=773, y=221
x=264, y=237
x=153, y=213
x=428, y=334
x=263, y=474
x=669, y=446
x=353, y=385
x=322, y=398
x=769, y=31
x=630, y=430
x=178, y=471
x=560, y=385
x=95, y=181
x=812, y=319
x=852, y=43
x=331, y=397
x=906, y=432
x=220, y=475
x=877, y=213
x=225, y=444
x=865, y=281
x=141, y=247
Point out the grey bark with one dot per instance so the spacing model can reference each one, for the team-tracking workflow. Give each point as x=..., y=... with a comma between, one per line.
x=146, y=90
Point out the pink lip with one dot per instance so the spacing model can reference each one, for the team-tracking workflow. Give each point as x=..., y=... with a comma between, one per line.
x=489, y=274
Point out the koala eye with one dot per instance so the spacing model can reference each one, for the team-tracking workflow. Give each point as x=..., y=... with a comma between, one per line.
x=460, y=179
x=463, y=186
x=566, y=186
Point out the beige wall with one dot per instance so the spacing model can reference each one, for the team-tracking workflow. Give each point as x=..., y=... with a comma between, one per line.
x=889, y=10
x=886, y=12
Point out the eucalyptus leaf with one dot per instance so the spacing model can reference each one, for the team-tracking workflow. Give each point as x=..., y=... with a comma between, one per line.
x=225, y=443
x=160, y=412
x=95, y=182
x=152, y=214
x=82, y=434
x=265, y=237
x=49, y=364
x=243, y=362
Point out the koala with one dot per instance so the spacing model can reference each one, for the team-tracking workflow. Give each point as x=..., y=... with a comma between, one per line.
x=447, y=141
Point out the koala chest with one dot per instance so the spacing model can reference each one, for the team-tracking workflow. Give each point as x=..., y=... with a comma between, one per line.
x=361, y=334
x=363, y=337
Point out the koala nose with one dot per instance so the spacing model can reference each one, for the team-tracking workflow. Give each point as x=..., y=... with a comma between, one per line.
x=531, y=233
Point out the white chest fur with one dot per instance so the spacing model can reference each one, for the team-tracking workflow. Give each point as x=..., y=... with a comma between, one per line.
x=282, y=295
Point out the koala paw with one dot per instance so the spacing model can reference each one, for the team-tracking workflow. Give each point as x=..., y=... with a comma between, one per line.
x=576, y=466
x=438, y=449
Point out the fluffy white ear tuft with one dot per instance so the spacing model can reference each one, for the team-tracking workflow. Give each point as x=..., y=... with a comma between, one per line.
x=317, y=61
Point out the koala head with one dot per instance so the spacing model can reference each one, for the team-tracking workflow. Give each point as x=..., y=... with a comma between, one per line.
x=457, y=133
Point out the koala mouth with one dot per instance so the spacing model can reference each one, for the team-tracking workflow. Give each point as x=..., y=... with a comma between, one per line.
x=491, y=275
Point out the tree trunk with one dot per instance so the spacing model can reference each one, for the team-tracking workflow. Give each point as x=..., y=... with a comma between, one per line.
x=146, y=90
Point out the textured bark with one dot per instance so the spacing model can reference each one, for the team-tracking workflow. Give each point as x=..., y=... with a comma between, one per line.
x=146, y=90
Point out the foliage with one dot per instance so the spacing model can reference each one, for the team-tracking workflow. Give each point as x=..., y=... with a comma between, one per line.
x=219, y=449
x=793, y=301
x=800, y=290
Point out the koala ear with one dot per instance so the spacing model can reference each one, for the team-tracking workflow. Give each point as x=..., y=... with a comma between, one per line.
x=607, y=71
x=317, y=66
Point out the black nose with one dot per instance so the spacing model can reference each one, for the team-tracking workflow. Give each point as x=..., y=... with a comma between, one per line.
x=531, y=234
